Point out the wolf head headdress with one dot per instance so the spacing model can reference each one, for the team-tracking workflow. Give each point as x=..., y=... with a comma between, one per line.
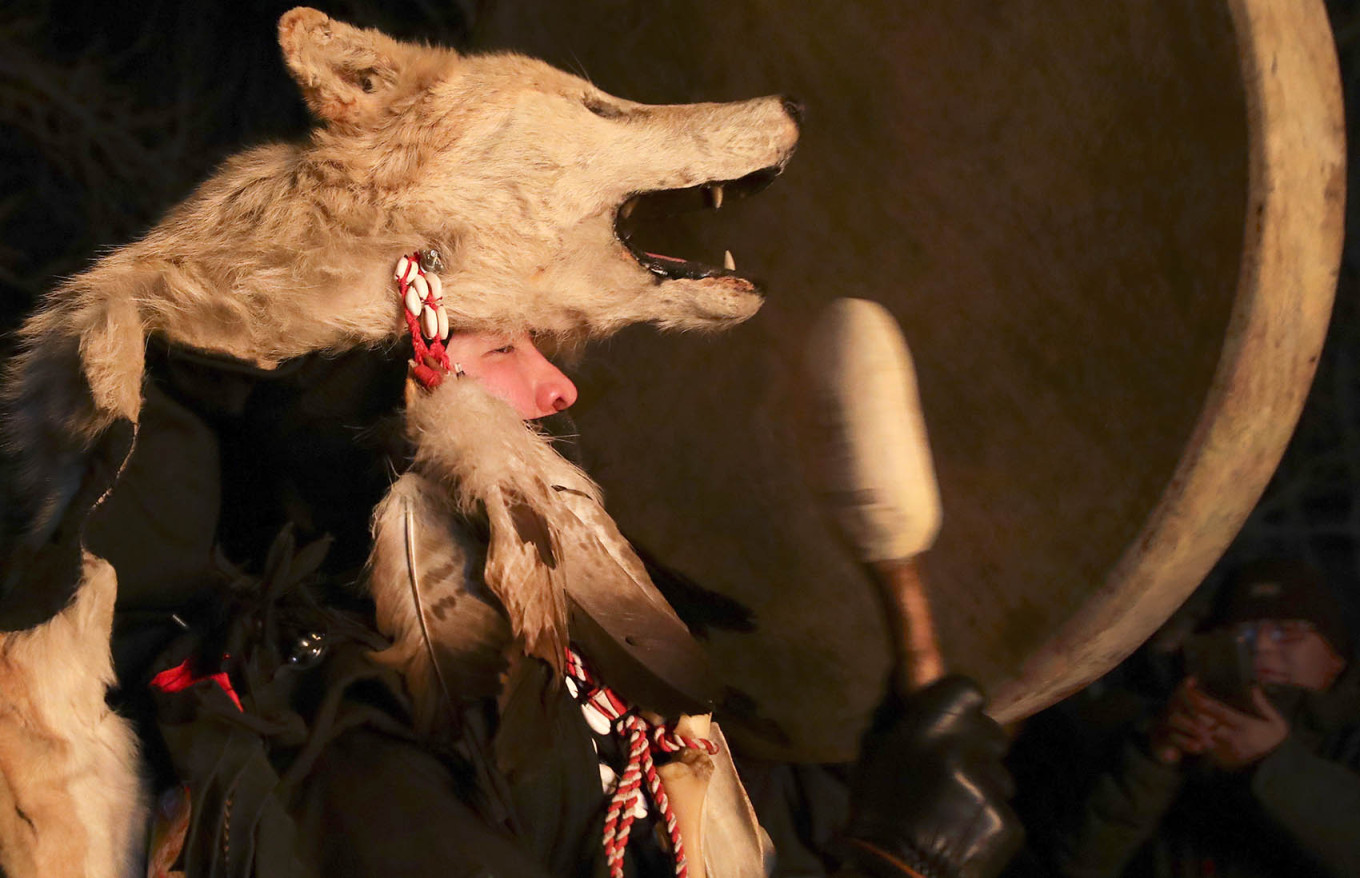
x=522, y=177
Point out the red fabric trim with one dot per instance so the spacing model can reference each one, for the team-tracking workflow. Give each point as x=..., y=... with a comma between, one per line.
x=181, y=677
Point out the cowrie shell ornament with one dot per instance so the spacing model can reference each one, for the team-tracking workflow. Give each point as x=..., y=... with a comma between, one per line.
x=413, y=303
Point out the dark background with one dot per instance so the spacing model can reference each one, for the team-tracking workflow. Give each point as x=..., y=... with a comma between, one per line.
x=111, y=112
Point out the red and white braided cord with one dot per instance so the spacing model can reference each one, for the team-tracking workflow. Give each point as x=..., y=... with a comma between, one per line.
x=643, y=739
x=431, y=361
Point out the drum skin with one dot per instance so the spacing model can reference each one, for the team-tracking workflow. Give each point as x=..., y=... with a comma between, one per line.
x=1110, y=233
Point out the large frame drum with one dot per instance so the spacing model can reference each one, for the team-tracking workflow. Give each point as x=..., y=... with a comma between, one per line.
x=1110, y=233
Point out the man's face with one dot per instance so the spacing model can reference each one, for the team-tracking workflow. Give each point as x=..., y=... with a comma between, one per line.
x=1291, y=652
x=513, y=369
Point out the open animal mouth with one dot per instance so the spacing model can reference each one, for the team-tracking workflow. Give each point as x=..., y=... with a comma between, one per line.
x=644, y=206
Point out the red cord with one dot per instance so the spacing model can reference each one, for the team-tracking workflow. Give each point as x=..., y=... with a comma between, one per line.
x=643, y=740
x=182, y=677
x=431, y=360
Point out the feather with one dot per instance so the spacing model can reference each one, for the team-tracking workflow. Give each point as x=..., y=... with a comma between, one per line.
x=619, y=619
x=555, y=558
x=448, y=633
x=491, y=464
x=522, y=570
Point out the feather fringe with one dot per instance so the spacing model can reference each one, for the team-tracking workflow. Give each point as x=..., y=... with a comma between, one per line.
x=492, y=464
x=554, y=556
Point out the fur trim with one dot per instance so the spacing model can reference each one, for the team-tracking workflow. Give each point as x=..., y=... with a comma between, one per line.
x=494, y=465
x=554, y=551
x=72, y=804
x=475, y=443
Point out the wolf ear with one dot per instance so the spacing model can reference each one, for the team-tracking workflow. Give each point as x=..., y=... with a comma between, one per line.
x=347, y=75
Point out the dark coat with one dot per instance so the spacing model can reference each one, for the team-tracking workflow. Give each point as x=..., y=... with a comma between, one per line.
x=1295, y=814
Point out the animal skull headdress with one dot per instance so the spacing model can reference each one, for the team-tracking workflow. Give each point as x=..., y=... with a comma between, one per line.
x=522, y=177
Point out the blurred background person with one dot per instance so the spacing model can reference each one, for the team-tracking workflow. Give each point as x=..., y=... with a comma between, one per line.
x=1261, y=778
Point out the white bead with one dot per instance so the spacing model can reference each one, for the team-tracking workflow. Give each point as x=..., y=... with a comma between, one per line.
x=429, y=322
x=443, y=317
x=598, y=722
x=436, y=286
x=413, y=303
x=402, y=264
x=421, y=287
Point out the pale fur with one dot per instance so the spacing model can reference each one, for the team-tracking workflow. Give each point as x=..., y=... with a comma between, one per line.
x=72, y=804
x=476, y=444
x=493, y=159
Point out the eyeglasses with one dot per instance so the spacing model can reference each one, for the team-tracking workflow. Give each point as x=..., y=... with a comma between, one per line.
x=1283, y=632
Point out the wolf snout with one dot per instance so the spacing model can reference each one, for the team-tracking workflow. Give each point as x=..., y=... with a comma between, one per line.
x=794, y=108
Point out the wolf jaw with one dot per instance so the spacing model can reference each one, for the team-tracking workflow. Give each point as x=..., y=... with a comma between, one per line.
x=710, y=195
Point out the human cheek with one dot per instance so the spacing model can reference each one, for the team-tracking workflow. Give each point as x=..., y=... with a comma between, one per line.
x=509, y=384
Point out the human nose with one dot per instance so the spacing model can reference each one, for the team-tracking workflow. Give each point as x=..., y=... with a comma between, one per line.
x=553, y=390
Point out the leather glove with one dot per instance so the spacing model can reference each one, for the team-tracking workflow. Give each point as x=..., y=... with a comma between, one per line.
x=929, y=793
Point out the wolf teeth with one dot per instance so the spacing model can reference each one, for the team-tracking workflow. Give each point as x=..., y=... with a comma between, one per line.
x=627, y=209
x=715, y=195
x=728, y=262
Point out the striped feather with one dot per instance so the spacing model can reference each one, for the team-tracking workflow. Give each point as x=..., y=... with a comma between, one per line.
x=449, y=634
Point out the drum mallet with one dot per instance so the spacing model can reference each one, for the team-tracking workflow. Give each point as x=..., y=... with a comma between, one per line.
x=873, y=469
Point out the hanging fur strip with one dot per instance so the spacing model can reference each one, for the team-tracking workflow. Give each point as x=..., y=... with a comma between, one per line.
x=449, y=636
x=554, y=555
x=71, y=797
x=491, y=464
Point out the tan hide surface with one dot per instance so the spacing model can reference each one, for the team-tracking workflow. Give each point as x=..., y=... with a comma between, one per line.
x=1110, y=232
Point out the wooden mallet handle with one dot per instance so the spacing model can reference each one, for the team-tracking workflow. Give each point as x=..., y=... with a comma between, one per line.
x=874, y=469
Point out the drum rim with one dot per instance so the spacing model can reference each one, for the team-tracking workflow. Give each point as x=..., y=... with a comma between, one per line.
x=1287, y=280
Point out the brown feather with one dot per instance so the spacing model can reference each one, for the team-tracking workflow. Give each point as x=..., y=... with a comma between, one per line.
x=620, y=620
x=516, y=570
x=448, y=633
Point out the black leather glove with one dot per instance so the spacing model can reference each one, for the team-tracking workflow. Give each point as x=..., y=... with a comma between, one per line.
x=929, y=793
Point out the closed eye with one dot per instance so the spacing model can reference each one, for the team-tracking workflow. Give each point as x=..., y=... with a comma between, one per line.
x=602, y=109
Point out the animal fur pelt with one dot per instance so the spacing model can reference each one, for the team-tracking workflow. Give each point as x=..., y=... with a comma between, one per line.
x=515, y=171
x=71, y=799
